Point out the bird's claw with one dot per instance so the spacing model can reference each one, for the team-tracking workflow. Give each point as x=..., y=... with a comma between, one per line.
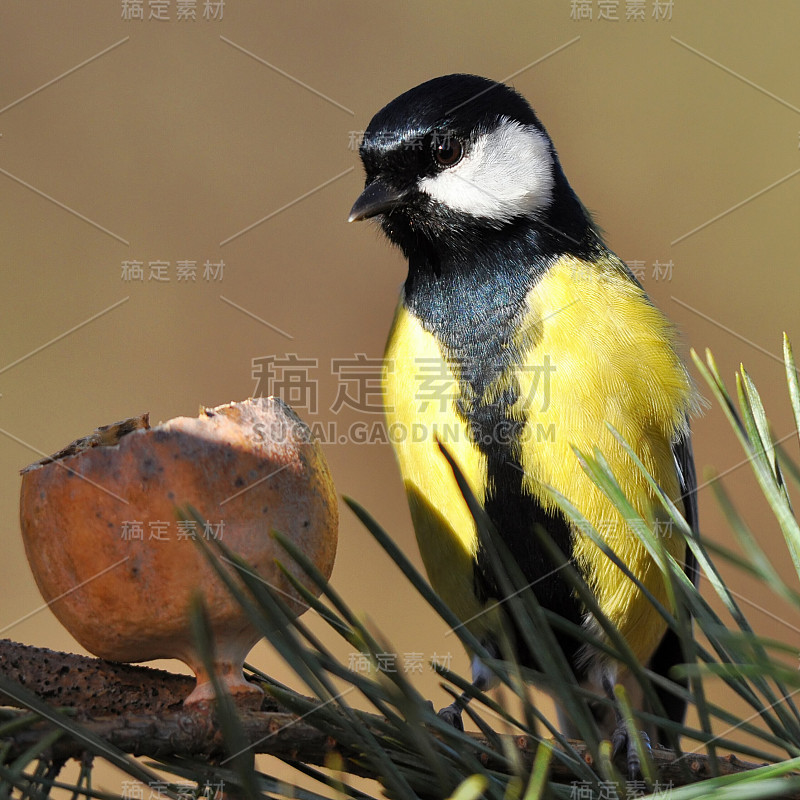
x=622, y=741
x=452, y=716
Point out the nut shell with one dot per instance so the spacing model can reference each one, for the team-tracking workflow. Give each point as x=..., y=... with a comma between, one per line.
x=118, y=568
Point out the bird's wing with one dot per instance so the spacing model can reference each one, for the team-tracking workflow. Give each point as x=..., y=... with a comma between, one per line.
x=669, y=652
x=684, y=462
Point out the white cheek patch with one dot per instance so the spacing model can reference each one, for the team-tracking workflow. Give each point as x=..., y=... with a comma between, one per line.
x=506, y=173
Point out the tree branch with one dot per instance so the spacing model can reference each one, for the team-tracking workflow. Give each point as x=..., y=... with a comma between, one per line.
x=91, y=685
x=139, y=710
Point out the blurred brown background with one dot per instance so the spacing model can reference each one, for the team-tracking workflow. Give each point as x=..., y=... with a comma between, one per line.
x=186, y=131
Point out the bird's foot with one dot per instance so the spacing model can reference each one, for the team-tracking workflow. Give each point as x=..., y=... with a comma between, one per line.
x=452, y=716
x=622, y=741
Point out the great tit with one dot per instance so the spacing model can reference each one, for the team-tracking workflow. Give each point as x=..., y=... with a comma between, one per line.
x=518, y=336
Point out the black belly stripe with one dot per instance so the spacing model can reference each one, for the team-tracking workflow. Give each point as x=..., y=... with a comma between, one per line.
x=474, y=314
x=515, y=514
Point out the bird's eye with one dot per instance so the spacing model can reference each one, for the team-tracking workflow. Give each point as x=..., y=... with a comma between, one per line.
x=448, y=152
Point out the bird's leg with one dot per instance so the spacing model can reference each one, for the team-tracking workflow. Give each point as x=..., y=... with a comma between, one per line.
x=621, y=738
x=452, y=714
x=482, y=679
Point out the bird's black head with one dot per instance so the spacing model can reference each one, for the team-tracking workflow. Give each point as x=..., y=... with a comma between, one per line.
x=460, y=161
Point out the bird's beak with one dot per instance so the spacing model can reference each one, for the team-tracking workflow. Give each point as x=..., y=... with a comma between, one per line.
x=376, y=198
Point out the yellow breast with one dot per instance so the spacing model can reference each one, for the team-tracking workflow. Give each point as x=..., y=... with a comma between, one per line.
x=595, y=350
x=419, y=394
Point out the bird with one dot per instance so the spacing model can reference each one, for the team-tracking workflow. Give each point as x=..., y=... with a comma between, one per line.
x=518, y=340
